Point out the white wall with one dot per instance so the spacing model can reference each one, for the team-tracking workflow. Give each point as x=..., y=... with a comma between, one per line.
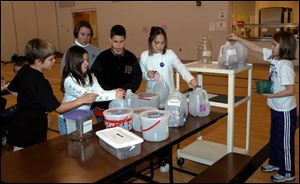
x=22, y=21
x=8, y=34
x=184, y=21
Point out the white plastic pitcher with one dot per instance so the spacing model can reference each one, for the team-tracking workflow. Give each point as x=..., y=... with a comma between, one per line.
x=198, y=103
x=242, y=53
x=228, y=57
x=131, y=98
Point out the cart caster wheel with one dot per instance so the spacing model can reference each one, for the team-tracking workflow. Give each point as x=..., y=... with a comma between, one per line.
x=180, y=161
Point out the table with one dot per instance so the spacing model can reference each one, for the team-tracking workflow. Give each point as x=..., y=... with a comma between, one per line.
x=61, y=160
x=230, y=102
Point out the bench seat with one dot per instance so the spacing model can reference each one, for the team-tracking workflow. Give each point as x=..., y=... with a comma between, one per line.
x=225, y=170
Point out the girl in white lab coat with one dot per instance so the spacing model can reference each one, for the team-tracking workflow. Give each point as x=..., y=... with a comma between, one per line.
x=159, y=60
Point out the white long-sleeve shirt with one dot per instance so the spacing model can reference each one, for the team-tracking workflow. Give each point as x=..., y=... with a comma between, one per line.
x=73, y=90
x=163, y=64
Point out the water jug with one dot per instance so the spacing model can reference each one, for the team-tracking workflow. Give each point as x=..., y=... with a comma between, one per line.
x=131, y=98
x=162, y=89
x=228, y=57
x=117, y=103
x=177, y=105
x=205, y=50
x=242, y=53
x=198, y=102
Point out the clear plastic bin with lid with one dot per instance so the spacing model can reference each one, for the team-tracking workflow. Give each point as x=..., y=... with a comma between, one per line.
x=79, y=124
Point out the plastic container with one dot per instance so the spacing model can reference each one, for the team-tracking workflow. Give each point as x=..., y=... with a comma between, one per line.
x=79, y=124
x=136, y=120
x=162, y=89
x=155, y=125
x=242, y=53
x=81, y=149
x=264, y=87
x=198, y=103
x=118, y=103
x=120, y=142
x=177, y=105
x=147, y=99
x=228, y=57
x=119, y=116
x=131, y=99
x=205, y=50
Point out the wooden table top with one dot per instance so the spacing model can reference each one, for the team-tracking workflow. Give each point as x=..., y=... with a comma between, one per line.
x=63, y=160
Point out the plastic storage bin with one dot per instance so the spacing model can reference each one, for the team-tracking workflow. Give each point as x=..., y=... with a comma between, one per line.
x=79, y=124
x=264, y=86
x=120, y=142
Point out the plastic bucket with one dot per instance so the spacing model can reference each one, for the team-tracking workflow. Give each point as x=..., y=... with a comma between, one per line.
x=136, y=120
x=121, y=117
x=264, y=86
x=155, y=125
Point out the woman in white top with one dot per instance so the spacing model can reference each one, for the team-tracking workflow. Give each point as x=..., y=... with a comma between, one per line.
x=77, y=81
x=160, y=60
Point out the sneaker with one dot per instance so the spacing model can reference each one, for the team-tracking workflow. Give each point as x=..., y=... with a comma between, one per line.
x=280, y=179
x=269, y=168
x=164, y=168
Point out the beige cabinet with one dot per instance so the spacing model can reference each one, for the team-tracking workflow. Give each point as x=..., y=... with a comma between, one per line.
x=23, y=21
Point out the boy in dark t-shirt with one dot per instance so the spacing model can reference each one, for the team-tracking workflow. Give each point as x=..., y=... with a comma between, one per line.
x=35, y=97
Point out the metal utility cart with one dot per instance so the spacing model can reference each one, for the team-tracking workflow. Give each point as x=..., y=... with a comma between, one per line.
x=207, y=152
